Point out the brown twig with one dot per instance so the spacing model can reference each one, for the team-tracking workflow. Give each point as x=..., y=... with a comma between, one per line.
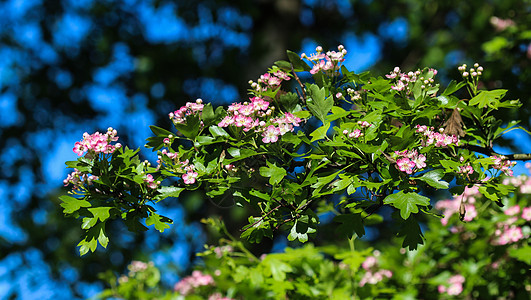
x=491, y=152
x=299, y=81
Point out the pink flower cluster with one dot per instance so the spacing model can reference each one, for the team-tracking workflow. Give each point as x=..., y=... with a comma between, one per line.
x=270, y=80
x=190, y=108
x=218, y=296
x=451, y=206
x=407, y=161
x=283, y=124
x=97, y=143
x=249, y=115
x=474, y=72
x=354, y=134
x=373, y=274
x=246, y=115
x=505, y=165
x=404, y=79
x=438, y=138
x=523, y=182
x=188, y=284
x=507, y=232
x=190, y=176
x=151, y=181
x=138, y=266
x=501, y=24
x=454, y=287
x=78, y=179
x=466, y=170
x=329, y=62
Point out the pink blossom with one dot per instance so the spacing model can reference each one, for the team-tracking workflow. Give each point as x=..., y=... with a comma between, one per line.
x=526, y=213
x=374, y=278
x=188, y=284
x=190, y=108
x=455, y=289
x=356, y=133
x=150, y=181
x=399, y=86
x=471, y=212
x=259, y=103
x=455, y=286
x=505, y=165
x=525, y=188
x=420, y=161
x=189, y=177
x=270, y=135
x=97, y=143
x=405, y=165
x=510, y=234
x=437, y=138
x=513, y=210
x=218, y=296
x=369, y=262
x=328, y=63
x=466, y=169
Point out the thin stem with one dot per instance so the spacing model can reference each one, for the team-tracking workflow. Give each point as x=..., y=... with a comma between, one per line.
x=352, y=278
x=239, y=244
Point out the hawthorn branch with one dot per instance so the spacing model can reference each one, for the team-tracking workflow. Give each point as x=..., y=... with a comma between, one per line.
x=491, y=152
x=263, y=217
x=300, y=83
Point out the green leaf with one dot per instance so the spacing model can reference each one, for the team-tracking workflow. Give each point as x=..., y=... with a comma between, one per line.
x=239, y=154
x=303, y=114
x=523, y=254
x=452, y=88
x=205, y=140
x=277, y=267
x=319, y=106
x=102, y=238
x=350, y=223
x=160, y=132
x=322, y=181
x=298, y=64
x=71, y=204
x=337, y=113
x=343, y=183
x=495, y=45
x=274, y=173
x=208, y=115
x=489, y=193
x=191, y=127
x=450, y=165
x=217, y=131
x=320, y=132
x=88, y=223
x=92, y=237
x=433, y=178
x=101, y=213
x=488, y=98
x=160, y=222
x=412, y=234
x=300, y=231
x=168, y=191
x=406, y=202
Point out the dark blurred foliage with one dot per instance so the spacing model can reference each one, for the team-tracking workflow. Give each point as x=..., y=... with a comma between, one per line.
x=67, y=67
